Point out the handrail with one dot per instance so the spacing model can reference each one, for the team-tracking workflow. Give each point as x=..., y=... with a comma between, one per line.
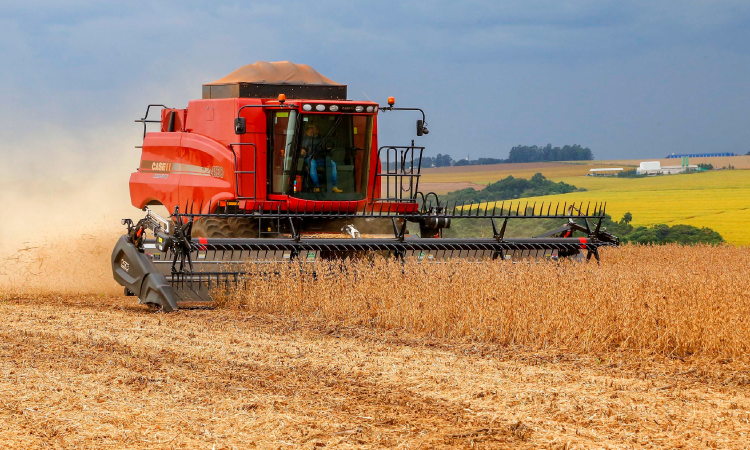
x=399, y=172
x=144, y=120
x=236, y=172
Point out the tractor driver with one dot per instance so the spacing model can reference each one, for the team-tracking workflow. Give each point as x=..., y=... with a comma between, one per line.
x=314, y=154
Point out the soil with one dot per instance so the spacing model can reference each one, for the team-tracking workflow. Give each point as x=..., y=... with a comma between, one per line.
x=101, y=371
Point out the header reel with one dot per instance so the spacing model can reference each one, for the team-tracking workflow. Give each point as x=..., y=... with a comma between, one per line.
x=186, y=268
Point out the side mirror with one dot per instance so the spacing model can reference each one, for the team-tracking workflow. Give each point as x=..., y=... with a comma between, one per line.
x=239, y=125
x=422, y=128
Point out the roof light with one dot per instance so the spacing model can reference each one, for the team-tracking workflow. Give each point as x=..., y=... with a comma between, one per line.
x=359, y=108
x=307, y=107
x=391, y=101
x=320, y=107
x=282, y=98
x=369, y=109
x=334, y=108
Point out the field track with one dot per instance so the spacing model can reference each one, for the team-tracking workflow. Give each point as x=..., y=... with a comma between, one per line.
x=99, y=372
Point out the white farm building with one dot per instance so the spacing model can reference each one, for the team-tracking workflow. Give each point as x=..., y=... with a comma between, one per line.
x=655, y=168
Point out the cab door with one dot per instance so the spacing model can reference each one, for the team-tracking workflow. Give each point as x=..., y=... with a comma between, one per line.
x=282, y=152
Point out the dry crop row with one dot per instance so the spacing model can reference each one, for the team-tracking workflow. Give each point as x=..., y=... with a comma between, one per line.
x=670, y=300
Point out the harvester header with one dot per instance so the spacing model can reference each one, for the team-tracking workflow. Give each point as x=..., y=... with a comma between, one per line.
x=274, y=164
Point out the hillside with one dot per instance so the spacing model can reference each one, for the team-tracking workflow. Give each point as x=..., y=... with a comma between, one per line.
x=494, y=172
x=717, y=199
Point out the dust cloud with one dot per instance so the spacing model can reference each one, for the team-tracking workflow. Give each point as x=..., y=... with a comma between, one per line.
x=63, y=202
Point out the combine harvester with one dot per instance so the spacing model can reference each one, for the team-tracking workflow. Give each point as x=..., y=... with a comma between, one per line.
x=274, y=164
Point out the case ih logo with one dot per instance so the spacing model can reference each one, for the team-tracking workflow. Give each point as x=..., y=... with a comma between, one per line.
x=157, y=166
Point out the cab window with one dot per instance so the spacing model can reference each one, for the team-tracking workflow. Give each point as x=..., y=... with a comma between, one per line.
x=283, y=124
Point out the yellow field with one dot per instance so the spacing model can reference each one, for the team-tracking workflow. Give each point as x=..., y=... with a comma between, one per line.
x=718, y=199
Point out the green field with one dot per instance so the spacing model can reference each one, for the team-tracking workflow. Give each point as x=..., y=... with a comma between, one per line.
x=717, y=199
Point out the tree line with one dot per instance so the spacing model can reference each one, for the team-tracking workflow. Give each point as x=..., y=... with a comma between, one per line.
x=511, y=188
x=524, y=153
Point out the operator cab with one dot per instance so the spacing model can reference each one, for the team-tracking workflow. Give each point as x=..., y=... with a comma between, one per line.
x=320, y=156
x=320, y=146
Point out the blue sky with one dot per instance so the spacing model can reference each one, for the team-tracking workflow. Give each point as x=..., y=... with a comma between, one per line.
x=636, y=79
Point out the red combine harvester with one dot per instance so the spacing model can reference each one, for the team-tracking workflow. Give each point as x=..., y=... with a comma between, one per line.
x=274, y=164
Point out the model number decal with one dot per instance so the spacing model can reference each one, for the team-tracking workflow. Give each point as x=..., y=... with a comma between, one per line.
x=125, y=266
x=166, y=167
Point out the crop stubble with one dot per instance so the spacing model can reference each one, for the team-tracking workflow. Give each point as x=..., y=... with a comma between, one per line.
x=647, y=349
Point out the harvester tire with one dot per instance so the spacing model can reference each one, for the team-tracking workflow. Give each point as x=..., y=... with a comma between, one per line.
x=218, y=227
x=211, y=227
x=242, y=227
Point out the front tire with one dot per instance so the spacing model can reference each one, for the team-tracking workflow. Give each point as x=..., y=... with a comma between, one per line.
x=219, y=227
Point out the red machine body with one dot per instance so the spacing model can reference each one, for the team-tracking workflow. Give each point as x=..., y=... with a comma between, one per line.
x=197, y=159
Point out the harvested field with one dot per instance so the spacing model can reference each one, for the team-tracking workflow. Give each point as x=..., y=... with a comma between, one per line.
x=493, y=172
x=647, y=350
x=100, y=372
x=445, y=179
x=441, y=188
x=481, y=175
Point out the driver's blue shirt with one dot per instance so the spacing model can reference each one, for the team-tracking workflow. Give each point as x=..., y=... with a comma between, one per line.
x=316, y=156
x=311, y=144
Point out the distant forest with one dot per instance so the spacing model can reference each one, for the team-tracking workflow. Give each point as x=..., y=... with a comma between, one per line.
x=518, y=154
x=510, y=188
